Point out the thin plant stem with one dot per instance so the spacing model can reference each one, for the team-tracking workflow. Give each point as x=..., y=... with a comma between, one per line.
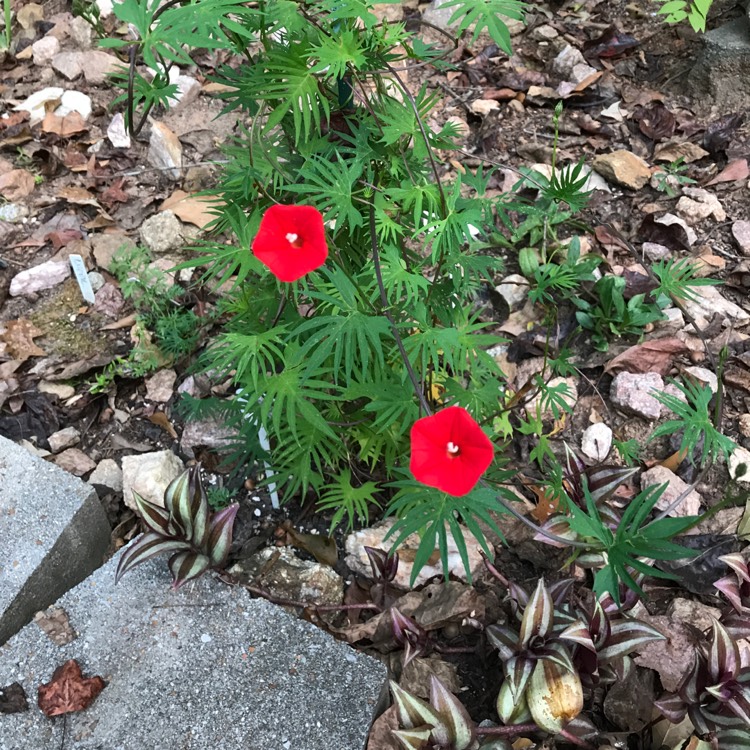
x=387, y=312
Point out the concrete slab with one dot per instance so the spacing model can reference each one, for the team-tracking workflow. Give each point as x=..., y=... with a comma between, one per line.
x=53, y=533
x=206, y=666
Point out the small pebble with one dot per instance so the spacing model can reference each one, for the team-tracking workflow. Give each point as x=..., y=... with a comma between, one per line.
x=256, y=513
x=206, y=638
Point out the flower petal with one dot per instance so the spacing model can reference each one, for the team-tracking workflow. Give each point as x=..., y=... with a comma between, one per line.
x=432, y=441
x=291, y=241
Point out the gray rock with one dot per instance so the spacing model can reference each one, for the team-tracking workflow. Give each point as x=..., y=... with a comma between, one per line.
x=160, y=386
x=107, y=474
x=374, y=536
x=67, y=64
x=13, y=212
x=690, y=505
x=37, y=278
x=205, y=666
x=44, y=50
x=562, y=66
x=81, y=33
x=596, y=441
x=107, y=246
x=97, y=65
x=669, y=219
x=54, y=533
x=165, y=150
x=515, y=289
x=117, y=132
x=162, y=232
x=284, y=575
x=62, y=439
x=212, y=433
x=188, y=90
x=149, y=474
x=655, y=252
x=697, y=204
x=708, y=302
x=623, y=168
x=75, y=462
x=741, y=234
x=675, y=321
x=633, y=393
x=722, y=72
x=96, y=280
x=704, y=376
x=630, y=702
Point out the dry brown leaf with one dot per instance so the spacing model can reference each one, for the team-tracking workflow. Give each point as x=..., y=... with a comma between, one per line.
x=79, y=196
x=652, y=356
x=160, y=418
x=55, y=624
x=68, y=690
x=381, y=734
x=587, y=81
x=191, y=209
x=18, y=337
x=322, y=548
x=8, y=384
x=685, y=150
x=673, y=462
x=735, y=170
x=125, y=322
x=64, y=126
x=16, y=184
x=13, y=699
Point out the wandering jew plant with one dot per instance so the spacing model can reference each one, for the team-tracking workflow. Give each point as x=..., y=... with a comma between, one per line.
x=197, y=540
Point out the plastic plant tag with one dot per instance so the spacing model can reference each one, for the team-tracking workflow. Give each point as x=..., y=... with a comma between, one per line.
x=79, y=269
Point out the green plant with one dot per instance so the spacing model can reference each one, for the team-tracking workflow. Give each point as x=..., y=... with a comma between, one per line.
x=184, y=527
x=7, y=18
x=166, y=329
x=694, y=419
x=617, y=547
x=695, y=11
x=676, y=281
x=715, y=693
x=628, y=450
x=634, y=540
x=218, y=497
x=669, y=178
x=89, y=11
x=611, y=315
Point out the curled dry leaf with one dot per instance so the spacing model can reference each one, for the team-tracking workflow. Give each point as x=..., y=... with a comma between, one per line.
x=652, y=356
x=16, y=184
x=64, y=126
x=56, y=625
x=68, y=690
x=13, y=699
x=18, y=337
x=191, y=209
x=735, y=170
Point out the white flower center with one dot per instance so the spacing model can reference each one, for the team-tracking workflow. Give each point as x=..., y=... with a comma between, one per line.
x=291, y=237
x=452, y=448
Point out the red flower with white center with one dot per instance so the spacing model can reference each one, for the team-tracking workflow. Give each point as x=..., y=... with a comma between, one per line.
x=449, y=451
x=291, y=241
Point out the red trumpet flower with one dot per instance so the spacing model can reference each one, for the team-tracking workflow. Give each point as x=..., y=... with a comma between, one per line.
x=291, y=241
x=449, y=451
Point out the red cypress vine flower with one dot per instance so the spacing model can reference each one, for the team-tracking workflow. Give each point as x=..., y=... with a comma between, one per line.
x=291, y=241
x=449, y=451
